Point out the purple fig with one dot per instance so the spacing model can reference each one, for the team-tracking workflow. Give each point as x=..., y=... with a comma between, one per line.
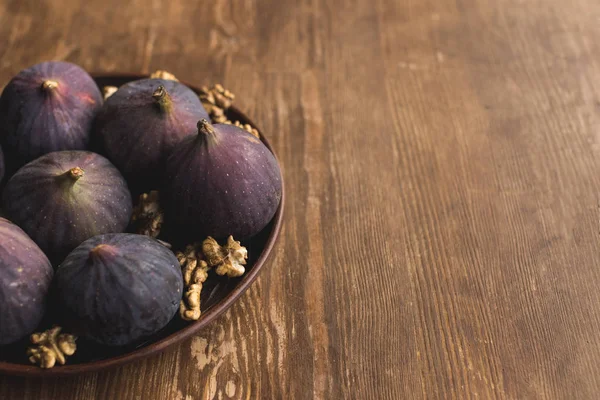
x=222, y=181
x=118, y=288
x=142, y=122
x=25, y=276
x=66, y=197
x=47, y=107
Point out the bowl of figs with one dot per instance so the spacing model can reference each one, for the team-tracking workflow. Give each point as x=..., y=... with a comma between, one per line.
x=134, y=210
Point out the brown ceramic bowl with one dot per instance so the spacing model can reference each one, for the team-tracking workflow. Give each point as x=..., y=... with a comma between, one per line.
x=217, y=296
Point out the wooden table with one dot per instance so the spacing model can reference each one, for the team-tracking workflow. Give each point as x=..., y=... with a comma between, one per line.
x=442, y=231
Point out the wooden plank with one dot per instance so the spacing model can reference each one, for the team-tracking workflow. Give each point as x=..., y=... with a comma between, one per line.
x=441, y=158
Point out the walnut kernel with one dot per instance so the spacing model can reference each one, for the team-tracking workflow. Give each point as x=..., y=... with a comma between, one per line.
x=51, y=347
x=228, y=259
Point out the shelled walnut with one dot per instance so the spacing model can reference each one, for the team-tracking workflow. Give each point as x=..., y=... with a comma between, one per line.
x=247, y=127
x=195, y=273
x=108, y=91
x=195, y=263
x=216, y=100
x=148, y=216
x=51, y=347
x=228, y=259
x=162, y=74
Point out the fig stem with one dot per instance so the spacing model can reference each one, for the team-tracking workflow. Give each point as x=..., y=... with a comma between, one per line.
x=49, y=84
x=75, y=173
x=103, y=249
x=205, y=127
x=206, y=132
x=162, y=98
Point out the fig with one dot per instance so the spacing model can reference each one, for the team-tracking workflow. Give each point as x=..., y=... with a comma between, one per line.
x=118, y=288
x=25, y=276
x=222, y=181
x=143, y=121
x=47, y=107
x=66, y=197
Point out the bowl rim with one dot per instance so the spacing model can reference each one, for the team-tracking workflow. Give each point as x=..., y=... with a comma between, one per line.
x=207, y=317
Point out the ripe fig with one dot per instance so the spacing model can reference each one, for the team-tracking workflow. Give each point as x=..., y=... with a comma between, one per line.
x=142, y=122
x=47, y=107
x=222, y=181
x=25, y=276
x=66, y=197
x=118, y=288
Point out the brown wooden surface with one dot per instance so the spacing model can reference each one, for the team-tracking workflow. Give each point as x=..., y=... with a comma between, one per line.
x=442, y=231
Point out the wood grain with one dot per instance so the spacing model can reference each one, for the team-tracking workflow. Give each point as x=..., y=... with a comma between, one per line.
x=442, y=234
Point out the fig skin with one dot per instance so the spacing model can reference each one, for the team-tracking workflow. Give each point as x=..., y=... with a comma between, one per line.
x=140, y=123
x=47, y=107
x=66, y=197
x=25, y=276
x=117, y=288
x=222, y=181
